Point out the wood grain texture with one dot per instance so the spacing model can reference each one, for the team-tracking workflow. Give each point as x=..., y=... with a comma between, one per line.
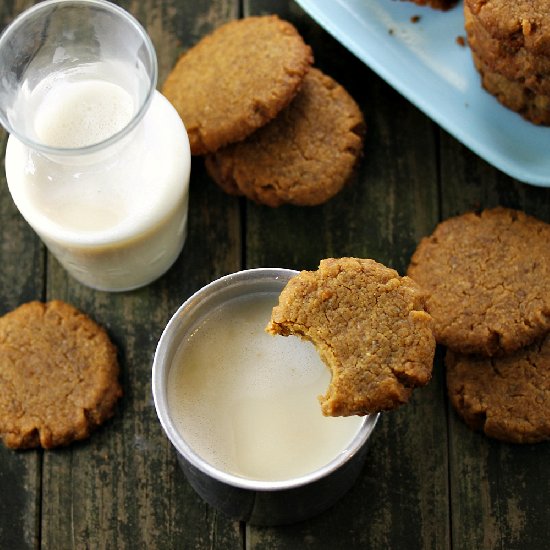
x=500, y=492
x=123, y=487
x=21, y=280
x=400, y=499
x=429, y=482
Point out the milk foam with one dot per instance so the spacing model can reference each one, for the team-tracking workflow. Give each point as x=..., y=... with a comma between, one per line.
x=246, y=401
x=82, y=113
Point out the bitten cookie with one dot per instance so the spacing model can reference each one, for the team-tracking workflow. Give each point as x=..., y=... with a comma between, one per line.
x=58, y=375
x=488, y=279
x=507, y=398
x=369, y=327
x=237, y=79
x=303, y=157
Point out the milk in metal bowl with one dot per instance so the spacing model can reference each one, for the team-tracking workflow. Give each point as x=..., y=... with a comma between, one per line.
x=246, y=401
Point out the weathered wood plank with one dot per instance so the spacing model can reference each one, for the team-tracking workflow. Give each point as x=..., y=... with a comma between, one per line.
x=499, y=491
x=429, y=481
x=123, y=487
x=400, y=499
x=22, y=260
x=21, y=280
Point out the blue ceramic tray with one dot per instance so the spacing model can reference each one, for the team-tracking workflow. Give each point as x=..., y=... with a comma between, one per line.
x=423, y=61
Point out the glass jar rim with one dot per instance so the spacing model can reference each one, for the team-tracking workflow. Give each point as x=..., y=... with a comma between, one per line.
x=14, y=27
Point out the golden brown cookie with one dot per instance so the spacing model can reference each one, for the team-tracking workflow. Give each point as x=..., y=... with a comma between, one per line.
x=508, y=397
x=521, y=23
x=514, y=95
x=530, y=70
x=370, y=328
x=488, y=276
x=303, y=157
x=237, y=79
x=58, y=375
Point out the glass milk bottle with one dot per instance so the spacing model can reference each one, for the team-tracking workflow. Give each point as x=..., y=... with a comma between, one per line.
x=97, y=160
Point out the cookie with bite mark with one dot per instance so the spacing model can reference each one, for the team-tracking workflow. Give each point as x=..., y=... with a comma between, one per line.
x=369, y=327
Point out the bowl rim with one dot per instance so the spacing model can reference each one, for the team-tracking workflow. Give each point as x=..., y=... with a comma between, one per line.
x=160, y=375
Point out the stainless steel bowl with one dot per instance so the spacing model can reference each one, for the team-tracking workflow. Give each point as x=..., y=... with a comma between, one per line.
x=257, y=502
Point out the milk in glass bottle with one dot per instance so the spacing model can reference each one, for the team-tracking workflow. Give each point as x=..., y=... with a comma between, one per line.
x=97, y=160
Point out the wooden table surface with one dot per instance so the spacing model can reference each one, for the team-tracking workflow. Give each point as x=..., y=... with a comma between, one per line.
x=429, y=482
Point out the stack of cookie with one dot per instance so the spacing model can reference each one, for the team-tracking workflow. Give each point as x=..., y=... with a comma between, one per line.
x=510, y=46
x=488, y=280
x=271, y=127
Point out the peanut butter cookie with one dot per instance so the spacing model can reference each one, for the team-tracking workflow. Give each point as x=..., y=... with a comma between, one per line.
x=521, y=23
x=510, y=45
x=303, y=157
x=370, y=328
x=514, y=94
x=58, y=375
x=508, y=397
x=488, y=279
x=236, y=79
x=530, y=70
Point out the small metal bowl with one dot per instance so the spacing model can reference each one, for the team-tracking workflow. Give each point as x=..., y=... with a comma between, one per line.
x=257, y=502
